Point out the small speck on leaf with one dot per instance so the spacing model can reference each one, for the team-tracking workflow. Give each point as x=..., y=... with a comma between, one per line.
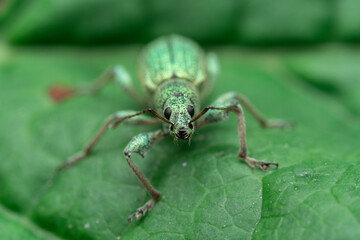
x=219, y=154
x=200, y=137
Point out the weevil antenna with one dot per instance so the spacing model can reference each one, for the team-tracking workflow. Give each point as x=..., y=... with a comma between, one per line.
x=205, y=111
x=116, y=123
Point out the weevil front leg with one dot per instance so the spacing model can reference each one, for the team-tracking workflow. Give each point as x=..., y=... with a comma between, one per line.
x=140, y=144
x=117, y=73
x=220, y=109
x=131, y=117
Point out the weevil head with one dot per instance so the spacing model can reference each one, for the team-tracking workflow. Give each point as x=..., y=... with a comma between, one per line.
x=177, y=101
x=180, y=114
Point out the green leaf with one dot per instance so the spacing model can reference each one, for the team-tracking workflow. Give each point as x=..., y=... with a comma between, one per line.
x=334, y=71
x=207, y=191
x=286, y=21
x=203, y=20
x=347, y=22
x=13, y=227
x=114, y=21
x=82, y=21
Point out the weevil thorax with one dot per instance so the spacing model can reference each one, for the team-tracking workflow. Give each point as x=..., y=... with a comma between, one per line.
x=178, y=101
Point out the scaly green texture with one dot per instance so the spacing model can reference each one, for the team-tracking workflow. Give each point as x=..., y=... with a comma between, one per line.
x=208, y=193
x=172, y=57
x=141, y=143
x=177, y=95
x=173, y=70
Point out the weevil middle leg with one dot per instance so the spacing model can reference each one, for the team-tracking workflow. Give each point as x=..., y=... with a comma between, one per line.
x=229, y=102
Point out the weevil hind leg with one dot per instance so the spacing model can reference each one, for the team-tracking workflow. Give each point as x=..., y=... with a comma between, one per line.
x=117, y=74
x=213, y=70
x=243, y=147
x=219, y=111
x=263, y=165
x=142, y=210
x=122, y=78
x=140, y=144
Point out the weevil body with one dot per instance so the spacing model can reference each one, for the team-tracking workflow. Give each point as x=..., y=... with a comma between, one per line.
x=176, y=74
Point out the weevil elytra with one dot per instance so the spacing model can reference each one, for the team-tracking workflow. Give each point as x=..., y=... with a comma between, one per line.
x=176, y=74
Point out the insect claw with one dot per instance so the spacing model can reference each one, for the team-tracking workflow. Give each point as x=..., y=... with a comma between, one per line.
x=59, y=169
x=138, y=214
x=277, y=123
x=142, y=210
x=265, y=165
x=130, y=218
x=60, y=93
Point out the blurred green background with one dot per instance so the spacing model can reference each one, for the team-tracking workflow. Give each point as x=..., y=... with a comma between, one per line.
x=207, y=21
x=294, y=59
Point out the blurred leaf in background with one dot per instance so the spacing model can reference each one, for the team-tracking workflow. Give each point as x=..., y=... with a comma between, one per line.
x=82, y=21
x=208, y=21
x=285, y=21
x=8, y=8
x=347, y=20
x=335, y=72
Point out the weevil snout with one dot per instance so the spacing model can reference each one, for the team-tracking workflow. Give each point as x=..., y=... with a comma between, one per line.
x=182, y=133
x=180, y=116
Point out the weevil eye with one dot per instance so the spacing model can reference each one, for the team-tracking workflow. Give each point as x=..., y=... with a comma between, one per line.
x=172, y=128
x=191, y=126
x=190, y=110
x=167, y=113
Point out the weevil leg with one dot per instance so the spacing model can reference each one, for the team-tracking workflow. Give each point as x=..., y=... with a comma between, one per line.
x=122, y=77
x=135, y=121
x=132, y=117
x=272, y=123
x=213, y=70
x=117, y=73
x=233, y=97
x=275, y=123
x=219, y=111
x=212, y=65
x=140, y=144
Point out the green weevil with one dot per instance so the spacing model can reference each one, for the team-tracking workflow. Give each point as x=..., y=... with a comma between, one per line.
x=176, y=74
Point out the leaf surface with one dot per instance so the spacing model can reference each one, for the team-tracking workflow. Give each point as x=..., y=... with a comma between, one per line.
x=207, y=192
